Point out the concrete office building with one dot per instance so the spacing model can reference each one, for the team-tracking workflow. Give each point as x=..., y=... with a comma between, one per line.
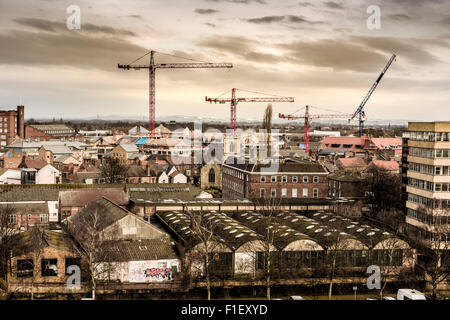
x=428, y=173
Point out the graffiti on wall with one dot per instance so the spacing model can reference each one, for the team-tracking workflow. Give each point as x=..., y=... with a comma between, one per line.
x=158, y=273
x=152, y=271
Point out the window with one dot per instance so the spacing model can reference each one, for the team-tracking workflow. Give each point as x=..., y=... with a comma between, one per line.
x=25, y=268
x=305, y=193
x=263, y=179
x=273, y=193
x=262, y=193
x=12, y=218
x=294, y=193
x=315, y=179
x=295, y=179
x=273, y=179
x=44, y=218
x=305, y=179
x=49, y=267
x=284, y=192
x=284, y=179
x=211, y=176
x=315, y=193
x=29, y=217
x=72, y=262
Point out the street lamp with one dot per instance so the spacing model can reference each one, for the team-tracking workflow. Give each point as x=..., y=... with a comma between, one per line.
x=355, y=288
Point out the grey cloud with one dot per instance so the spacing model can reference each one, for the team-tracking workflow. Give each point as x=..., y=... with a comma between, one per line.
x=305, y=4
x=335, y=54
x=282, y=19
x=55, y=26
x=239, y=1
x=209, y=24
x=404, y=48
x=400, y=16
x=79, y=50
x=334, y=5
x=206, y=11
x=233, y=44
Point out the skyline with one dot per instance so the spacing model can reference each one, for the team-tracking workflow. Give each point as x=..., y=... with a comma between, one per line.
x=319, y=52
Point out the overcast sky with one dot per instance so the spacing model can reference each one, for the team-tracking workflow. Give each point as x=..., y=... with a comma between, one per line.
x=319, y=52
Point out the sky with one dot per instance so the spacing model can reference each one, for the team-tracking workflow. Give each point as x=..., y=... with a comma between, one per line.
x=322, y=53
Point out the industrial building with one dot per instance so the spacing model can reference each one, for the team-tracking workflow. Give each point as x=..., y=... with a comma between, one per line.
x=12, y=125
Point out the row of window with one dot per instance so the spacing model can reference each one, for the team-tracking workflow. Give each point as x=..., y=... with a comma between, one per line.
x=429, y=136
x=49, y=267
x=12, y=218
x=284, y=193
x=294, y=179
x=233, y=173
x=429, y=153
x=421, y=184
x=429, y=169
x=427, y=218
x=232, y=185
x=429, y=186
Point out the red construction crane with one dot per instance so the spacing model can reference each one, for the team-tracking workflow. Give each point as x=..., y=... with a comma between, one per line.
x=152, y=69
x=234, y=101
x=308, y=118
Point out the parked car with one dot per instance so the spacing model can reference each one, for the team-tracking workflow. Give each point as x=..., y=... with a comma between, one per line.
x=410, y=294
x=296, y=298
x=389, y=298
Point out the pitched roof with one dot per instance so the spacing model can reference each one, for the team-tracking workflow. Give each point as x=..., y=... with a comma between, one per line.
x=387, y=143
x=386, y=165
x=140, y=250
x=352, y=162
x=57, y=149
x=33, y=163
x=53, y=126
x=130, y=148
x=25, y=241
x=28, y=208
x=136, y=171
x=34, y=193
x=81, y=198
x=103, y=209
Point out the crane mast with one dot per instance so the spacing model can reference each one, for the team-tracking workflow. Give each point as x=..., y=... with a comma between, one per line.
x=234, y=101
x=360, y=110
x=308, y=118
x=152, y=66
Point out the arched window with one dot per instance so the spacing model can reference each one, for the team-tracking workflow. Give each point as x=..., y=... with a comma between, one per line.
x=212, y=176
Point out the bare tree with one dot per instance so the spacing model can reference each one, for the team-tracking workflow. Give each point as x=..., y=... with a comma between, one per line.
x=269, y=207
x=204, y=245
x=390, y=254
x=87, y=229
x=383, y=190
x=436, y=250
x=113, y=170
x=35, y=245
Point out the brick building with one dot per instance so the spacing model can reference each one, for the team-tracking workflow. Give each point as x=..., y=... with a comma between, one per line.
x=40, y=259
x=11, y=125
x=36, y=135
x=288, y=179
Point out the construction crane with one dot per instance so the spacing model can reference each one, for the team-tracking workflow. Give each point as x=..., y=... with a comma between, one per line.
x=152, y=69
x=308, y=118
x=234, y=101
x=360, y=110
